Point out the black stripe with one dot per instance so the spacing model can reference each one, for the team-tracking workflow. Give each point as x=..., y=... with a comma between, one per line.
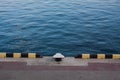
x=24, y=55
x=78, y=56
x=38, y=56
x=108, y=56
x=9, y=54
x=93, y=56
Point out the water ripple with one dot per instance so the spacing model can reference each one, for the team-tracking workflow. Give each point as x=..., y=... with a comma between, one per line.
x=67, y=26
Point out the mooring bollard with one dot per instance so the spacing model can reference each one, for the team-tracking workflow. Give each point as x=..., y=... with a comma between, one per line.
x=58, y=57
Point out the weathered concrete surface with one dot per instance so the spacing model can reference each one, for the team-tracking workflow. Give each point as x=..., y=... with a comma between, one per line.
x=59, y=75
x=68, y=61
x=69, y=69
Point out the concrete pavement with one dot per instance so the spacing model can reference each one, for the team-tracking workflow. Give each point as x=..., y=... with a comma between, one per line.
x=69, y=69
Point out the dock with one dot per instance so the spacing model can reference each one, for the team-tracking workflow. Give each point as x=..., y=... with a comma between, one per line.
x=69, y=68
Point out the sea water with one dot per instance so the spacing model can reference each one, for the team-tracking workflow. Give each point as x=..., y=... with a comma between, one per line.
x=70, y=27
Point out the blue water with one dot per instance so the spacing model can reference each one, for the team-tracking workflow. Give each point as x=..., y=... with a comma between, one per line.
x=68, y=26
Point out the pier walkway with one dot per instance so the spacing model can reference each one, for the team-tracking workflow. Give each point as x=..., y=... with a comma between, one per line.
x=69, y=69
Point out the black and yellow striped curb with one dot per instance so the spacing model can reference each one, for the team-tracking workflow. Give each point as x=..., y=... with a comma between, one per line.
x=81, y=56
x=98, y=56
x=20, y=55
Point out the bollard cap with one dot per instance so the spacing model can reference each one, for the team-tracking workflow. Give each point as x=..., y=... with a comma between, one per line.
x=58, y=55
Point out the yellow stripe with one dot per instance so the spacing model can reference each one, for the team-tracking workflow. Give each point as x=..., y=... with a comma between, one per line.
x=85, y=56
x=101, y=56
x=32, y=55
x=17, y=55
x=2, y=55
x=116, y=56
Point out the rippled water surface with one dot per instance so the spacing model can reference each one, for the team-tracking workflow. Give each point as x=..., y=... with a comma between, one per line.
x=68, y=26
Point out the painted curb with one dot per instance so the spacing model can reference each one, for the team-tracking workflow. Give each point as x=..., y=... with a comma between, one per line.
x=81, y=56
x=98, y=56
x=20, y=55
